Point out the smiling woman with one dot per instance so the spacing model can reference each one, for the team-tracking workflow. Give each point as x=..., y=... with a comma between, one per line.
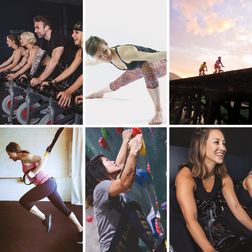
x=199, y=183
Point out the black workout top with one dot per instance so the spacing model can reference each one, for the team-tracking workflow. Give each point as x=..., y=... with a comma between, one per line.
x=60, y=40
x=200, y=193
x=134, y=64
x=243, y=196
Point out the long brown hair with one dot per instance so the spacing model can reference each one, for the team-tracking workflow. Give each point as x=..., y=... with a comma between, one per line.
x=197, y=154
x=14, y=147
x=15, y=38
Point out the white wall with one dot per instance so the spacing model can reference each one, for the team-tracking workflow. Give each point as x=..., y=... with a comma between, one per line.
x=139, y=22
x=35, y=140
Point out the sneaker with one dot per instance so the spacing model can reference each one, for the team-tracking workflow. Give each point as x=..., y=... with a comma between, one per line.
x=80, y=238
x=160, y=244
x=47, y=222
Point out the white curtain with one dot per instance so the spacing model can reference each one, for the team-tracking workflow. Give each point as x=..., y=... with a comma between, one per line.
x=77, y=153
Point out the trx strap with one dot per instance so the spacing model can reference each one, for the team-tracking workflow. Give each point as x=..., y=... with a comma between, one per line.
x=47, y=152
x=30, y=181
x=50, y=147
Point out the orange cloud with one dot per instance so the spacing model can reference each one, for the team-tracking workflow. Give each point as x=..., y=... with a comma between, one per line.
x=201, y=19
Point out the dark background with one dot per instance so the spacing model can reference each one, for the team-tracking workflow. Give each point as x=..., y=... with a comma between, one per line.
x=17, y=16
x=238, y=156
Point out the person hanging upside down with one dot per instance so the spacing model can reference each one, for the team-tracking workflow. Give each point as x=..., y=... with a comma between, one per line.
x=45, y=186
x=120, y=224
x=137, y=62
x=203, y=69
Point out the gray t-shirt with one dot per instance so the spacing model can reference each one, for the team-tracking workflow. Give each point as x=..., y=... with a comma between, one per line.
x=106, y=213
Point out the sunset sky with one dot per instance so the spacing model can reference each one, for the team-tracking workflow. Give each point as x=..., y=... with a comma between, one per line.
x=202, y=32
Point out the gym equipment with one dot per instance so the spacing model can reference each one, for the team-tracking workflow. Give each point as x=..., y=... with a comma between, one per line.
x=222, y=238
x=119, y=130
x=27, y=180
x=102, y=142
x=136, y=131
x=89, y=218
x=34, y=106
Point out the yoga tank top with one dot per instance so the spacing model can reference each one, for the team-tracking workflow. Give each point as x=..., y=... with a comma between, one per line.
x=134, y=64
x=200, y=193
x=40, y=178
x=243, y=196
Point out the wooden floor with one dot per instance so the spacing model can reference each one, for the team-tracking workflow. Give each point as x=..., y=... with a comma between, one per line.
x=20, y=231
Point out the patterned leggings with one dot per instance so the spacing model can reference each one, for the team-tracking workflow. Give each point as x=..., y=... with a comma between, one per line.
x=131, y=227
x=151, y=71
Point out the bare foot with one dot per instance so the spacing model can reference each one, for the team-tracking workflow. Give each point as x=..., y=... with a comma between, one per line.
x=157, y=119
x=95, y=95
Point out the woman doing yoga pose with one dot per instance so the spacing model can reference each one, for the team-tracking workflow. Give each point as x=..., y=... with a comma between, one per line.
x=137, y=62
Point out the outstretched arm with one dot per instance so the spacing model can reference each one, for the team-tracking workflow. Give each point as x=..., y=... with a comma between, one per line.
x=65, y=96
x=51, y=64
x=74, y=65
x=128, y=175
x=233, y=203
x=26, y=67
x=20, y=65
x=122, y=154
x=16, y=59
x=8, y=61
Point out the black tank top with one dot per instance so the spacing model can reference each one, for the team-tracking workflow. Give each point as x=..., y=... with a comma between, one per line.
x=200, y=193
x=243, y=196
x=134, y=64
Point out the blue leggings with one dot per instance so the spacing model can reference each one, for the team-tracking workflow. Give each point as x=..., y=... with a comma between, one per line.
x=47, y=189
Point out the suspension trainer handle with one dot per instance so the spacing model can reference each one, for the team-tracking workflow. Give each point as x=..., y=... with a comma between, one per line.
x=50, y=147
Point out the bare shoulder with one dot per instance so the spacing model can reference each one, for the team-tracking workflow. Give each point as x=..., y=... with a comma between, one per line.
x=227, y=179
x=184, y=176
x=26, y=157
x=125, y=50
x=79, y=52
x=248, y=182
x=35, y=48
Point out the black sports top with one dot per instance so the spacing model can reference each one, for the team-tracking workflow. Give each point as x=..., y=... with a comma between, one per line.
x=200, y=193
x=134, y=64
x=243, y=196
x=60, y=40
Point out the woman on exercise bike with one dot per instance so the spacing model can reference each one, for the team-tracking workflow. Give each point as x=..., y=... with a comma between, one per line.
x=45, y=186
x=28, y=41
x=200, y=180
x=14, y=43
x=74, y=70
